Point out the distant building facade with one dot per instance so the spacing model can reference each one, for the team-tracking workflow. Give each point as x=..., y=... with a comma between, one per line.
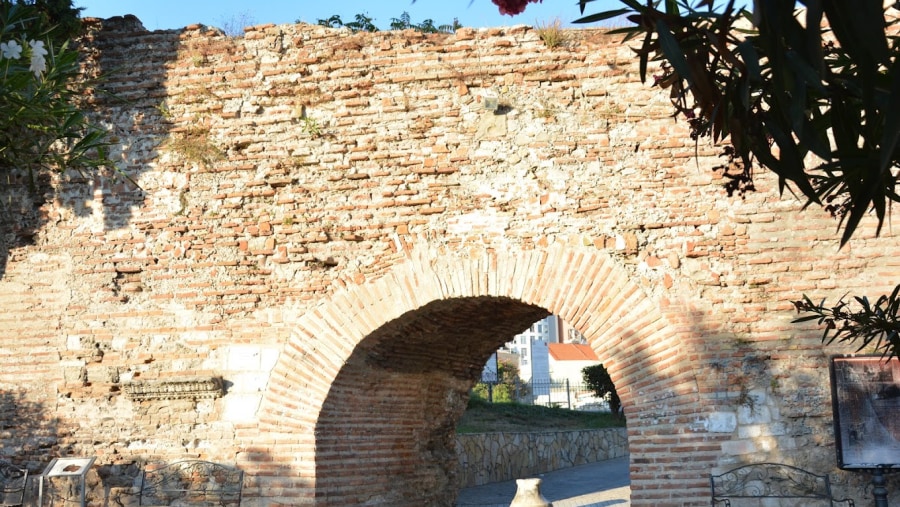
x=532, y=351
x=566, y=360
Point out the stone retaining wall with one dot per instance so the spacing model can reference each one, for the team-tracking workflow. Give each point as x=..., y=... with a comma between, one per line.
x=493, y=457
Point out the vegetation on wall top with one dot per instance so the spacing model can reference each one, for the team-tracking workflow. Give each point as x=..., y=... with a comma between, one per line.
x=365, y=23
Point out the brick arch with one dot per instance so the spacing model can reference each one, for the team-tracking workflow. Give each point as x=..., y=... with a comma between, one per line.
x=344, y=368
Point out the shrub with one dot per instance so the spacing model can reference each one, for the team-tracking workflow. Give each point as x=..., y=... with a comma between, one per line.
x=598, y=380
x=41, y=124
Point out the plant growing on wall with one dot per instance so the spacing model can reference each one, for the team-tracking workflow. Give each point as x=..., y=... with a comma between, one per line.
x=42, y=126
x=365, y=23
x=234, y=25
x=361, y=23
x=552, y=34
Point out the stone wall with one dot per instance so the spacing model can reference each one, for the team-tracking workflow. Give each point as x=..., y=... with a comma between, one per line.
x=493, y=457
x=340, y=229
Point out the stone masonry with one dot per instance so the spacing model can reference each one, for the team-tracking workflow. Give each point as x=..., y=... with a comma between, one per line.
x=486, y=458
x=334, y=230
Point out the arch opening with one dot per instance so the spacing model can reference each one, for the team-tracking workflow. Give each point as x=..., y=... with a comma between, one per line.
x=391, y=412
x=535, y=389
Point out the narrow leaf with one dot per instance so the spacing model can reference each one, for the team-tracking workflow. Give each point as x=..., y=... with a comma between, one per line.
x=601, y=16
x=891, y=134
x=673, y=52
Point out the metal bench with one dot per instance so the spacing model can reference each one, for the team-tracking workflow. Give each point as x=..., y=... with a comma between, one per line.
x=192, y=482
x=12, y=484
x=744, y=484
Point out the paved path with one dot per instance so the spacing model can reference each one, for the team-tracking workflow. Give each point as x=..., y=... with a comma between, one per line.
x=602, y=484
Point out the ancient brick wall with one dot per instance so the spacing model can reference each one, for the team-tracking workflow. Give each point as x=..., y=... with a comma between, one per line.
x=341, y=227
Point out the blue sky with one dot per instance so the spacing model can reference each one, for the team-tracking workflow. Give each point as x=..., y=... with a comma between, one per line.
x=166, y=14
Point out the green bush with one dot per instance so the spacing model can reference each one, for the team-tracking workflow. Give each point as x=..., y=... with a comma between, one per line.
x=501, y=393
x=598, y=380
x=508, y=389
x=41, y=124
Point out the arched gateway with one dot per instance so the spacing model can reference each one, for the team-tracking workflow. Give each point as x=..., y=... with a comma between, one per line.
x=374, y=379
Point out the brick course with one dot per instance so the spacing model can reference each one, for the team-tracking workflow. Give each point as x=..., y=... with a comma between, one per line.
x=335, y=225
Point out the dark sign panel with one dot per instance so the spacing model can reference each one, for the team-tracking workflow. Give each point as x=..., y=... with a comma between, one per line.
x=865, y=392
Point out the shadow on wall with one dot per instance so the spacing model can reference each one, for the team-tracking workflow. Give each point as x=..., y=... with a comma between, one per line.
x=31, y=437
x=28, y=204
x=769, y=400
x=28, y=435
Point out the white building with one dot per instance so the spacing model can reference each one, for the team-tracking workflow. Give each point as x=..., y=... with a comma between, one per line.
x=568, y=359
x=550, y=356
x=531, y=348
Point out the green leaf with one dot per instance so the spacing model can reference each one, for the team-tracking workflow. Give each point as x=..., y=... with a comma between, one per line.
x=644, y=56
x=845, y=122
x=859, y=27
x=859, y=205
x=806, y=73
x=806, y=318
x=602, y=16
x=672, y=7
x=891, y=134
x=751, y=60
x=673, y=52
x=791, y=160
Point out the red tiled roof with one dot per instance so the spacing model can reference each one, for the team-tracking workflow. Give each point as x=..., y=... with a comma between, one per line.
x=572, y=352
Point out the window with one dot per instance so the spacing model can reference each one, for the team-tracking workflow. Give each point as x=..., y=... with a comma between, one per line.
x=575, y=336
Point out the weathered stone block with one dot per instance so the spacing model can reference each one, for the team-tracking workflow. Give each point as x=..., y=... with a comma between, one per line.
x=722, y=422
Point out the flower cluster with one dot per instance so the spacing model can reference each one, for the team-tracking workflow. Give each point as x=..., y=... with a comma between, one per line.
x=12, y=50
x=513, y=7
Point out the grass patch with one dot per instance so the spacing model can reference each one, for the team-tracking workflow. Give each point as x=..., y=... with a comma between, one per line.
x=552, y=34
x=484, y=417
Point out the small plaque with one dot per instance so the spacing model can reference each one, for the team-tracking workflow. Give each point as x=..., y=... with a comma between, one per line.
x=865, y=393
x=68, y=467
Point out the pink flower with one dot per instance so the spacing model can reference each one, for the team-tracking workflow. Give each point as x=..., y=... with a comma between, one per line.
x=513, y=7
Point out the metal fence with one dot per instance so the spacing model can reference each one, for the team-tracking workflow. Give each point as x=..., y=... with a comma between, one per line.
x=563, y=394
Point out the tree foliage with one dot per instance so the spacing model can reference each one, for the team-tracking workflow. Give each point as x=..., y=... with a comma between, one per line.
x=780, y=84
x=42, y=126
x=404, y=22
x=58, y=18
x=873, y=326
x=809, y=90
x=361, y=23
x=598, y=380
x=506, y=389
